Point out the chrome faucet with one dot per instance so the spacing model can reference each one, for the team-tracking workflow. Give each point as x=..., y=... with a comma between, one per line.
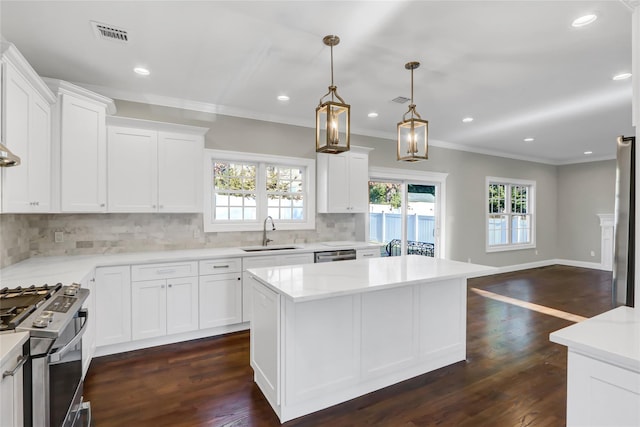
x=265, y=241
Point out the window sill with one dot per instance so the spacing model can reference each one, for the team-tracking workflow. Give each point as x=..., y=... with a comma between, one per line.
x=505, y=248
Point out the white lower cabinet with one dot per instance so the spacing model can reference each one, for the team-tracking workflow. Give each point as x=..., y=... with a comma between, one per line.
x=220, y=296
x=165, y=304
x=601, y=394
x=113, y=305
x=11, y=390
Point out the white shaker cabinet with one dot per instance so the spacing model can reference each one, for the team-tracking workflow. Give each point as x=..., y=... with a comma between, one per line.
x=342, y=181
x=80, y=148
x=154, y=166
x=113, y=305
x=166, y=303
x=133, y=170
x=220, y=292
x=12, y=388
x=26, y=107
x=368, y=253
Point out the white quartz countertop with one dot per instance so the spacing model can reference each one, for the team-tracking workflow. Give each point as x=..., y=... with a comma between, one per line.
x=8, y=342
x=325, y=280
x=613, y=337
x=73, y=268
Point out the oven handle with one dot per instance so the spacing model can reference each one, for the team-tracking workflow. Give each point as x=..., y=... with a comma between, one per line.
x=55, y=357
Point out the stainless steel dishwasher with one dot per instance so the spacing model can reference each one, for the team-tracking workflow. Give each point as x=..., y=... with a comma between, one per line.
x=338, y=255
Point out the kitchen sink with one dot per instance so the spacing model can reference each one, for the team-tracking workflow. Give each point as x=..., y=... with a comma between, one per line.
x=268, y=248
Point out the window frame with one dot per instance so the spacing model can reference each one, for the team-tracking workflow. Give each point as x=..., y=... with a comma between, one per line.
x=262, y=161
x=531, y=202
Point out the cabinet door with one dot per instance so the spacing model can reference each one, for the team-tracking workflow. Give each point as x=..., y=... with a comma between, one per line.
x=148, y=309
x=133, y=170
x=16, y=121
x=338, y=183
x=11, y=392
x=220, y=300
x=40, y=155
x=180, y=172
x=358, y=182
x=182, y=305
x=83, y=166
x=113, y=305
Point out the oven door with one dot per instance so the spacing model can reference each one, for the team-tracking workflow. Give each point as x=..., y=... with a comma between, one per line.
x=57, y=377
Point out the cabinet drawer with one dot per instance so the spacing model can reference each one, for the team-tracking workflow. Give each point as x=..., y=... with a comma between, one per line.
x=219, y=266
x=164, y=271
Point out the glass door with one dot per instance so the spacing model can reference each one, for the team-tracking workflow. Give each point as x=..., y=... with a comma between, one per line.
x=404, y=217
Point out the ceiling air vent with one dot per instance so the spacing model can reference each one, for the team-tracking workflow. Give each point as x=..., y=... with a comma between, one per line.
x=109, y=32
x=400, y=99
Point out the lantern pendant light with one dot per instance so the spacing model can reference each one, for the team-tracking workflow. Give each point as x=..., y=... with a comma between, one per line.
x=413, y=133
x=332, y=117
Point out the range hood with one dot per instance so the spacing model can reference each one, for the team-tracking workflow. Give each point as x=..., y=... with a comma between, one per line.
x=7, y=158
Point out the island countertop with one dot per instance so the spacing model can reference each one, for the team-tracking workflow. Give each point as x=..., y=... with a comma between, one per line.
x=613, y=337
x=325, y=280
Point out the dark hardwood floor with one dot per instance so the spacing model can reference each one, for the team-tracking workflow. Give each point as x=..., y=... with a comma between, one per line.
x=513, y=375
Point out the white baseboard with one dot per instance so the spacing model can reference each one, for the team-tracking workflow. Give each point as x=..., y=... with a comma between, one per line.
x=583, y=264
x=544, y=263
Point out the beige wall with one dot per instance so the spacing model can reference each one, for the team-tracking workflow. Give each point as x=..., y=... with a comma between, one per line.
x=584, y=191
x=465, y=216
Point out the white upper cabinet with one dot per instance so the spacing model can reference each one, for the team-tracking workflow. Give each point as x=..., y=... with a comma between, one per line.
x=343, y=181
x=26, y=131
x=154, y=166
x=80, y=148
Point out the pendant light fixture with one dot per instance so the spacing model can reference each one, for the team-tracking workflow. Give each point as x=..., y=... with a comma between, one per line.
x=413, y=133
x=332, y=117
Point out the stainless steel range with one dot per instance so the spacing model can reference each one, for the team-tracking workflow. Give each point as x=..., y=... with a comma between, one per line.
x=55, y=320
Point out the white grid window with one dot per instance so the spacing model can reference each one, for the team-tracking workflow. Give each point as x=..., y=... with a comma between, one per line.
x=242, y=189
x=510, y=214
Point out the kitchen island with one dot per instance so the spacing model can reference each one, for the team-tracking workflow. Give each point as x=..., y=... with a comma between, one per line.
x=322, y=334
x=603, y=369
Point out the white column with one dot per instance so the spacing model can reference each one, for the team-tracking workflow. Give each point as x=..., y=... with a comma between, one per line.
x=606, y=241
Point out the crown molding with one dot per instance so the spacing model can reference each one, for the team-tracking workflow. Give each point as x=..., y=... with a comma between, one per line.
x=154, y=125
x=11, y=54
x=205, y=107
x=64, y=87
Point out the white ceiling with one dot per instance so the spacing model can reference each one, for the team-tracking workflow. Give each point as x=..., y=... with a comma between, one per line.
x=517, y=67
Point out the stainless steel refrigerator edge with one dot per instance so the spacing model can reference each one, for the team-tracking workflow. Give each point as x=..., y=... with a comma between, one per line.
x=624, y=255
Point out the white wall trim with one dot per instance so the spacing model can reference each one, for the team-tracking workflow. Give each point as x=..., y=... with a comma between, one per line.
x=543, y=263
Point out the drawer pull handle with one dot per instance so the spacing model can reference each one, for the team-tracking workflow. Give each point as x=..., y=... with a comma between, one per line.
x=221, y=266
x=367, y=255
x=21, y=361
x=166, y=271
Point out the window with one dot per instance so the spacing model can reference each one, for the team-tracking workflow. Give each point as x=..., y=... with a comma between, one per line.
x=242, y=189
x=510, y=214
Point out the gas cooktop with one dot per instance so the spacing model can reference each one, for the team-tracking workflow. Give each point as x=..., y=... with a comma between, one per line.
x=17, y=304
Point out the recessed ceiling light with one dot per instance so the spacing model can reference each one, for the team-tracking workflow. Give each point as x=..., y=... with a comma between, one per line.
x=372, y=115
x=588, y=152
x=142, y=71
x=283, y=98
x=467, y=120
x=622, y=76
x=584, y=20
x=529, y=139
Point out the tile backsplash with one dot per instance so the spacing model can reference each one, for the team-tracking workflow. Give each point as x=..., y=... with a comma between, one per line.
x=25, y=236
